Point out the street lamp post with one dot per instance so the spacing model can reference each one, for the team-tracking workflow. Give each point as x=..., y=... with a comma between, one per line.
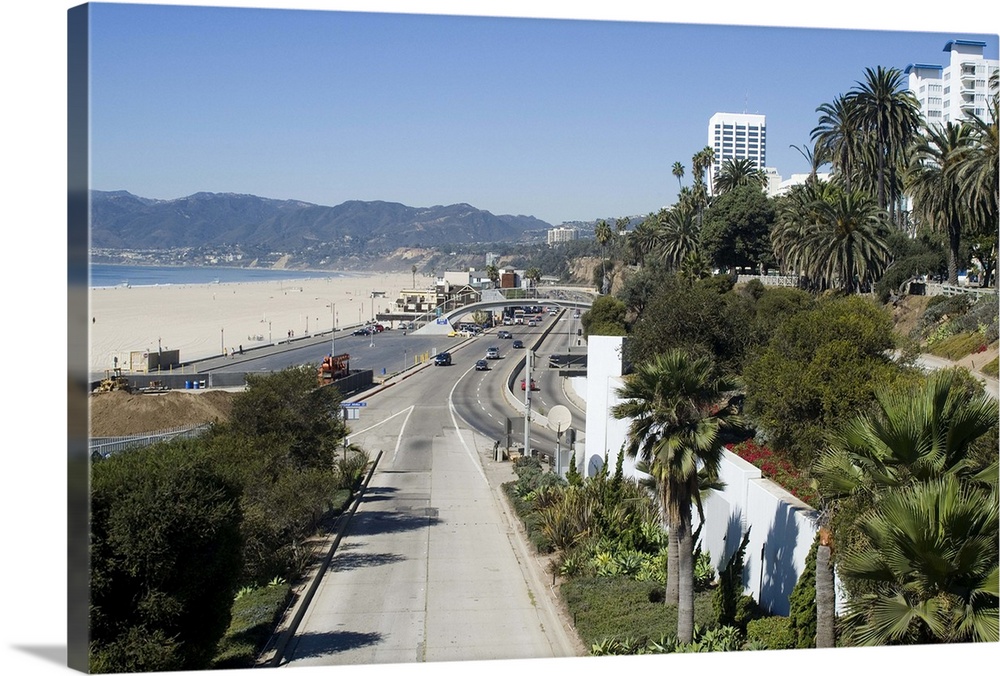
x=223, y=330
x=527, y=401
x=333, y=325
x=372, y=332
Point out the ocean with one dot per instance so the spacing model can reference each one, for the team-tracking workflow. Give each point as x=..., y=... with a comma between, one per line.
x=103, y=275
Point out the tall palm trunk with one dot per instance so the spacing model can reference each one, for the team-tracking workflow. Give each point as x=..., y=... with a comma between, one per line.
x=954, y=238
x=824, y=594
x=673, y=549
x=685, y=580
x=670, y=594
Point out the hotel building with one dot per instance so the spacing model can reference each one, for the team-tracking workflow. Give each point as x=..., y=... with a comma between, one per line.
x=953, y=92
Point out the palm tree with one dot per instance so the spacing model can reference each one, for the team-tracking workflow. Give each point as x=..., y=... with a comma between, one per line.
x=493, y=272
x=603, y=234
x=909, y=437
x=413, y=271
x=835, y=239
x=935, y=184
x=533, y=275
x=694, y=266
x=813, y=156
x=884, y=106
x=678, y=235
x=678, y=172
x=621, y=228
x=911, y=459
x=837, y=138
x=672, y=403
x=931, y=555
x=736, y=173
x=977, y=173
x=644, y=239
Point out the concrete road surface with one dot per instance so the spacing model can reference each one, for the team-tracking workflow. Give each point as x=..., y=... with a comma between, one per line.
x=432, y=567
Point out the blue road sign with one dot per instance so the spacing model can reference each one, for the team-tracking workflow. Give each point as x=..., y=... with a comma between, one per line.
x=353, y=404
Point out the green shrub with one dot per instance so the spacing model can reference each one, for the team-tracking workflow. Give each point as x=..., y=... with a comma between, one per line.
x=623, y=609
x=959, y=345
x=991, y=369
x=727, y=599
x=802, y=603
x=772, y=633
x=256, y=612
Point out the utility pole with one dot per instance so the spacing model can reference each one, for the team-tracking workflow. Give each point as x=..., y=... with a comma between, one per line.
x=527, y=399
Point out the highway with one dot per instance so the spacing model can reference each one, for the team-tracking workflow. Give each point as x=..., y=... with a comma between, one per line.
x=432, y=567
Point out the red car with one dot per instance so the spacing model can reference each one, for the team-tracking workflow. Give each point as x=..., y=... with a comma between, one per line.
x=534, y=385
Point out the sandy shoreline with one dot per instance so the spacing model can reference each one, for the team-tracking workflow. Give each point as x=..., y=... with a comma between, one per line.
x=203, y=320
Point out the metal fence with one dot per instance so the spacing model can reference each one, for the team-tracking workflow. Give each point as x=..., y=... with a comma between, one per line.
x=105, y=446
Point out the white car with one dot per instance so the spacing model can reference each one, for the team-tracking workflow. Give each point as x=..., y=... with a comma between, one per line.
x=493, y=353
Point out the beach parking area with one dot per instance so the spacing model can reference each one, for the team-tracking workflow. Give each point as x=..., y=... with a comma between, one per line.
x=206, y=320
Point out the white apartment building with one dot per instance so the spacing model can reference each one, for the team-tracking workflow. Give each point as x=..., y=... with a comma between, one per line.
x=952, y=92
x=561, y=234
x=734, y=136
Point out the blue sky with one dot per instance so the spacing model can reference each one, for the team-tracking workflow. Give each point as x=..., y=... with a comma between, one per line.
x=561, y=119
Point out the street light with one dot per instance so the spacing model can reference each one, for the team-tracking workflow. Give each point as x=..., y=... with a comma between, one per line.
x=372, y=333
x=333, y=325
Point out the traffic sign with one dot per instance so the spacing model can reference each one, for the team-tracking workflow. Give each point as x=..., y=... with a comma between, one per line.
x=353, y=404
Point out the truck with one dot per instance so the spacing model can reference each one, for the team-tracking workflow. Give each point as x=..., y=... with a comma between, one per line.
x=333, y=368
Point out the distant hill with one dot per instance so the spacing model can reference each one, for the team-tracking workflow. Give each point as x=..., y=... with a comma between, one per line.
x=121, y=220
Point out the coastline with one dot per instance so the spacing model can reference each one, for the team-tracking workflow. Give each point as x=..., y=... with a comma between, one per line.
x=204, y=320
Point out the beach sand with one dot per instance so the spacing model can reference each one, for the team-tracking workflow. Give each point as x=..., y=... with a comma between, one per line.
x=203, y=320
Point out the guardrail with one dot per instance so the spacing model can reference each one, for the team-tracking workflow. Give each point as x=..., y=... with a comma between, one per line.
x=933, y=289
x=105, y=446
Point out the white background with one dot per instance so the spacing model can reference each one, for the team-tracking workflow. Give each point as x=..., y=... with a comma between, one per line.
x=34, y=333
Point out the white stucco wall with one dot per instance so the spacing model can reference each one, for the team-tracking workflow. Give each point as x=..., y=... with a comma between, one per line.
x=604, y=435
x=782, y=527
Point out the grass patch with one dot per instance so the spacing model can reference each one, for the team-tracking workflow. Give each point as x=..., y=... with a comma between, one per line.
x=991, y=368
x=959, y=345
x=255, y=615
x=624, y=609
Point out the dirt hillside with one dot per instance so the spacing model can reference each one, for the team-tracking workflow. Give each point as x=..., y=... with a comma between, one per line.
x=119, y=413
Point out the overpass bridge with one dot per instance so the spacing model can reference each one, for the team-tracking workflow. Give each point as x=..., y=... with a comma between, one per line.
x=444, y=323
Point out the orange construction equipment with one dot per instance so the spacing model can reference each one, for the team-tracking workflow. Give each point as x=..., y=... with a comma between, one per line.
x=333, y=368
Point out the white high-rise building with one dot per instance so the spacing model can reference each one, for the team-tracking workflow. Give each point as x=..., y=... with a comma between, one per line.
x=561, y=234
x=735, y=136
x=952, y=92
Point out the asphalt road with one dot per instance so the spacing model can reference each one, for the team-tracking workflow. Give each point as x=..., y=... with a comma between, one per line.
x=432, y=567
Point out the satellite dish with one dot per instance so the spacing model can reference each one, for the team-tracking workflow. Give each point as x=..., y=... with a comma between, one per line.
x=559, y=419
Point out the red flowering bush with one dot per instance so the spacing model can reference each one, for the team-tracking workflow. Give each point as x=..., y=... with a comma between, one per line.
x=777, y=469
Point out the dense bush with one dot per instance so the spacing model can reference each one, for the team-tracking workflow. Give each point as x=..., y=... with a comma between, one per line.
x=165, y=560
x=256, y=611
x=732, y=607
x=821, y=367
x=802, y=603
x=771, y=633
x=178, y=527
x=959, y=345
x=620, y=608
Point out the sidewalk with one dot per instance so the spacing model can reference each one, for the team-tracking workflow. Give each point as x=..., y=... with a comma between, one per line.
x=930, y=362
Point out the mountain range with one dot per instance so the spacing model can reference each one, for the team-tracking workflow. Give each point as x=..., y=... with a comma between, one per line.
x=121, y=220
